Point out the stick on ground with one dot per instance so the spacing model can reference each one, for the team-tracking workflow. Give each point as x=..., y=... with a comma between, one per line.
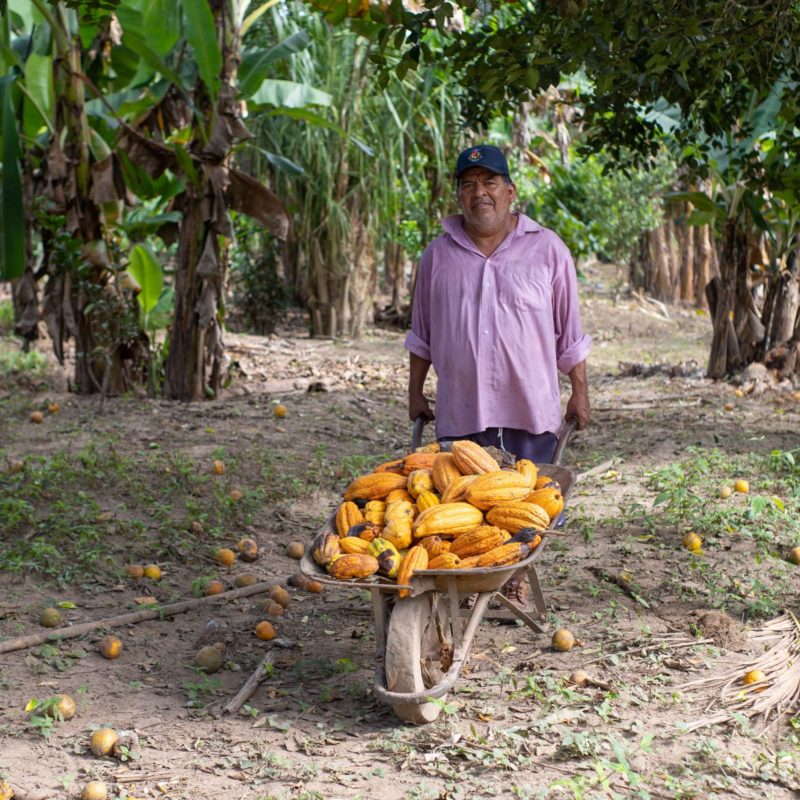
x=170, y=610
x=250, y=686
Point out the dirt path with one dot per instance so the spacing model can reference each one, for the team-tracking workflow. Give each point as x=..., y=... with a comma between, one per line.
x=102, y=490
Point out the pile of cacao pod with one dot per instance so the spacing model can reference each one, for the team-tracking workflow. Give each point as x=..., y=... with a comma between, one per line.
x=435, y=510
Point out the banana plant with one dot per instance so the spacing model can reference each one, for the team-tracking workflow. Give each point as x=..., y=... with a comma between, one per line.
x=379, y=157
x=118, y=104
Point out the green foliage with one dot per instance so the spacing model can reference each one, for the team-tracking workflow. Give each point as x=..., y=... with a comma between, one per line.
x=375, y=164
x=12, y=214
x=704, y=59
x=6, y=316
x=261, y=297
x=14, y=360
x=588, y=204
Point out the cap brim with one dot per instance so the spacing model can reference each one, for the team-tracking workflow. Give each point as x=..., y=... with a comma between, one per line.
x=481, y=166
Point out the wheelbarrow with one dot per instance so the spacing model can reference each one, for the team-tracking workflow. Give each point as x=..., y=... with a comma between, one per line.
x=423, y=641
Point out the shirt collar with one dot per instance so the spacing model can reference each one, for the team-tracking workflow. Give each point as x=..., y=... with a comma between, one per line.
x=454, y=227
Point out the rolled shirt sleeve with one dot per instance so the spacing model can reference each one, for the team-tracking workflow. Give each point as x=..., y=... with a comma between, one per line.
x=572, y=344
x=419, y=337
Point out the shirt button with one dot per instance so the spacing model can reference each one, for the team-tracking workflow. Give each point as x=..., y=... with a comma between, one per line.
x=486, y=332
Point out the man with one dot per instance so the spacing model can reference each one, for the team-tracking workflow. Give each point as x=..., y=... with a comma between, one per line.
x=496, y=313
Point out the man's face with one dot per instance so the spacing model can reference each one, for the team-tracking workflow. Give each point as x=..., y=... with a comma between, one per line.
x=485, y=199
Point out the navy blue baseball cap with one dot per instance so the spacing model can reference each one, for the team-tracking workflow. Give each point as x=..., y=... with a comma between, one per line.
x=482, y=155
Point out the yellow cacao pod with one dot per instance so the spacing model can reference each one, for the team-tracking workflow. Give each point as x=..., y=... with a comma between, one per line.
x=325, y=547
x=374, y=518
x=516, y=516
x=399, y=494
x=433, y=447
x=398, y=532
x=528, y=469
x=444, y=471
x=416, y=558
x=390, y=466
x=447, y=519
x=375, y=505
x=481, y=540
x=469, y=562
x=349, y=514
x=353, y=565
x=472, y=459
x=426, y=500
x=374, y=486
x=398, y=509
x=550, y=499
x=546, y=482
x=435, y=545
x=495, y=488
x=419, y=480
x=457, y=489
x=388, y=558
x=415, y=461
x=444, y=561
x=353, y=544
x=505, y=554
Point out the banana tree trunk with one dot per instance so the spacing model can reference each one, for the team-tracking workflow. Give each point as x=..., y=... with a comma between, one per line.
x=728, y=301
x=686, y=236
x=185, y=373
x=84, y=303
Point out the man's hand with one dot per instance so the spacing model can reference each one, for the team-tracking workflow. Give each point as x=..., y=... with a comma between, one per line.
x=578, y=409
x=419, y=406
x=578, y=405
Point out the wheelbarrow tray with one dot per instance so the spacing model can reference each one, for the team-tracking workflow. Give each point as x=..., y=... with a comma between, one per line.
x=467, y=581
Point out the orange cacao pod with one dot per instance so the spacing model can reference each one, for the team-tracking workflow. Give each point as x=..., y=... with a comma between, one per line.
x=418, y=461
x=349, y=514
x=457, y=489
x=472, y=459
x=447, y=519
x=528, y=469
x=444, y=471
x=353, y=565
x=416, y=558
x=481, y=540
x=550, y=499
x=435, y=545
x=515, y=516
x=444, y=561
x=495, y=488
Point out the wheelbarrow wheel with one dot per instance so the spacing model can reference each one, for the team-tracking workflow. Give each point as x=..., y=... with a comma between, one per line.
x=415, y=652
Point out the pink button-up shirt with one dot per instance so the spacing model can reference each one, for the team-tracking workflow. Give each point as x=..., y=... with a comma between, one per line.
x=497, y=329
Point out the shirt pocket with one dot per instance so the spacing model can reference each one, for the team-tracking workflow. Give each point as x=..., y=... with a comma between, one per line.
x=526, y=292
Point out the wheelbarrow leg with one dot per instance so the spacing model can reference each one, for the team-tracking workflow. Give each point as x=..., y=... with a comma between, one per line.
x=379, y=613
x=536, y=592
x=524, y=615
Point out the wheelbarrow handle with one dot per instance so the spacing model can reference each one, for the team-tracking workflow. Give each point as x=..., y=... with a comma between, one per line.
x=567, y=429
x=416, y=434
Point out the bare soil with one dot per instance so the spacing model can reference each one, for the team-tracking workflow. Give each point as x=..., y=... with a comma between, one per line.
x=128, y=477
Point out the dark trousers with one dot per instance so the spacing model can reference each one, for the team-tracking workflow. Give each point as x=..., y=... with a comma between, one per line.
x=536, y=447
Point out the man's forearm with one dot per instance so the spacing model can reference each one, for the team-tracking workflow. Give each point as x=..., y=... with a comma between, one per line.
x=418, y=371
x=418, y=405
x=578, y=405
x=577, y=377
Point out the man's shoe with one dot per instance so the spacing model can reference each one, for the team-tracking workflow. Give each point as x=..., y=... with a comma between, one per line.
x=469, y=601
x=516, y=590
